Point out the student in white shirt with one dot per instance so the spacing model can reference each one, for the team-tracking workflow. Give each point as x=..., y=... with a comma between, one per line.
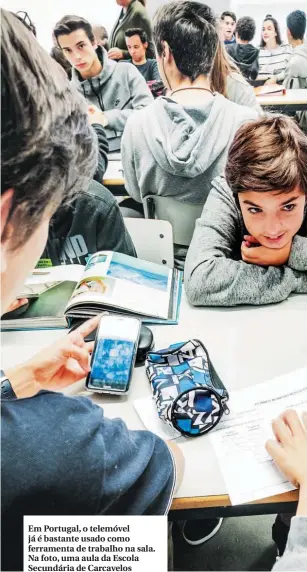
x=274, y=54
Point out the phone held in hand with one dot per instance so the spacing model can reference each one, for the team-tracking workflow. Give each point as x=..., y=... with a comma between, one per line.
x=114, y=354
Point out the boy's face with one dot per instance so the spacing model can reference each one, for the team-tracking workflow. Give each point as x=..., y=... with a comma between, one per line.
x=79, y=51
x=228, y=27
x=136, y=48
x=273, y=218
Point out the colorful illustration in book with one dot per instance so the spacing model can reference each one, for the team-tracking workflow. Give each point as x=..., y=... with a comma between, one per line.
x=93, y=284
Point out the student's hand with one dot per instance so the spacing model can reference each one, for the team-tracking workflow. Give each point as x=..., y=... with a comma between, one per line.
x=115, y=54
x=96, y=116
x=253, y=253
x=270, y=81
x=63, y=363
x=289, y=451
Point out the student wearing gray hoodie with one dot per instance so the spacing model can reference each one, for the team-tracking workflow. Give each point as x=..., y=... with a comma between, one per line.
x=178, y=144
x=114, y=89
x=250, y=244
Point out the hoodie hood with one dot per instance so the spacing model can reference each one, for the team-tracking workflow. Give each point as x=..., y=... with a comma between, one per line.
x=93, y=85
x=178, y=136
x=245, y=53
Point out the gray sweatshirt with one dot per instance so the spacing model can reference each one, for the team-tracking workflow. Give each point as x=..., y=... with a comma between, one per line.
x=215, y=275
x=295, y=555
x=241, y=92
x=295, y=74
x=117, y=91
x=176, y=151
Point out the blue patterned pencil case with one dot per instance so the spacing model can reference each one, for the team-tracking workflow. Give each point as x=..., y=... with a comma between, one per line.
x=189, y=394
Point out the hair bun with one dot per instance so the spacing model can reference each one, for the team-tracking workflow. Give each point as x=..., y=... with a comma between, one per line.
x=269, y=16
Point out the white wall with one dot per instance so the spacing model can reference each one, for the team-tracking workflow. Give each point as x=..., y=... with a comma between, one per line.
x=217, y=5
x=104, y=12
x=45, y=14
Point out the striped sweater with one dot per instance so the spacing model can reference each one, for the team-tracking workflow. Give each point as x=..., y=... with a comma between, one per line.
x=274, y=62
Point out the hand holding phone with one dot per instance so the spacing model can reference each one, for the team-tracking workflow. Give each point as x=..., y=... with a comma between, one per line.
x=114, y=354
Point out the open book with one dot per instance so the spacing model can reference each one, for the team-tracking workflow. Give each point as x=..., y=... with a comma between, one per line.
x=109, y=281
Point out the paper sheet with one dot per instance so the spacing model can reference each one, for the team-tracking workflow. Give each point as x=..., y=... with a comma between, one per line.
x=147, y=411
x=239, y=440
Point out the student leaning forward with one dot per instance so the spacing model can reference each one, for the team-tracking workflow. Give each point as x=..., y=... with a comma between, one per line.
x=250, y=244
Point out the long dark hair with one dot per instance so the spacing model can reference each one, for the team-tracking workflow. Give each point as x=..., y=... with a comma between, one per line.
x=277, y=30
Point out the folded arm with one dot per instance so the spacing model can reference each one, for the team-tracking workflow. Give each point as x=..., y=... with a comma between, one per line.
x=214, y=274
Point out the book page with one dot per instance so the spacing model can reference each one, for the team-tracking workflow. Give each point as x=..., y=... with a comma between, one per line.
x=239, y=439
x=42, y=279
x=124, y=282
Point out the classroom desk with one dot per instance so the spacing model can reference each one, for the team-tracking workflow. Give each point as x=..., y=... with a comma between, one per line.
x=293, y=100
x=114, y=178
x=248, y=345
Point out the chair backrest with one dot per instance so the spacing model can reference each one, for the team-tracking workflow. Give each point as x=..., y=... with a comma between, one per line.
x=182, y=216
x=297, y=83
x=153, y=240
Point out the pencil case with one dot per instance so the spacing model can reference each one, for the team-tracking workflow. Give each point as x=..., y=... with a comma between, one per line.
x=189, y=395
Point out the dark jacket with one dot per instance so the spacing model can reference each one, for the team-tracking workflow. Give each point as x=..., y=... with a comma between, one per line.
x=61, y=456
x=246, y=58
x=92, y=223
x=149, y=70
x=135, y=17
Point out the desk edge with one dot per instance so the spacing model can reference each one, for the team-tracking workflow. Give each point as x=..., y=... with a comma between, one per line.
x=224, y=500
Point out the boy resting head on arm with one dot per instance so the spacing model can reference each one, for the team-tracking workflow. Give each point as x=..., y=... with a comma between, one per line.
x=250, y=244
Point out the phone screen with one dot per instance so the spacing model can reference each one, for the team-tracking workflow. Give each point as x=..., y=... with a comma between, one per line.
x=114, y=354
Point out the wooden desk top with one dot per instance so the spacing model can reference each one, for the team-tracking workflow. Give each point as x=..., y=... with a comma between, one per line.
x=223, y=500
x=293, y=97
x=113, y=182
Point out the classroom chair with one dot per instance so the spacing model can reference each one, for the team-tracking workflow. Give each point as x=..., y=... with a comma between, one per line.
x=182, y=216
x=153, y=240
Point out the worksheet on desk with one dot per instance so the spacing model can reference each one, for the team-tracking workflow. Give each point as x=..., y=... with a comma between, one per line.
x=239, y=440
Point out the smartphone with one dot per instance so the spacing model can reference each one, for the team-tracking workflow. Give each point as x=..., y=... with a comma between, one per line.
x=114, y=354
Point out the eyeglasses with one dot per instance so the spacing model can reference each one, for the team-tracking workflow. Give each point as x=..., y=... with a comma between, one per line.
x=25, y=18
